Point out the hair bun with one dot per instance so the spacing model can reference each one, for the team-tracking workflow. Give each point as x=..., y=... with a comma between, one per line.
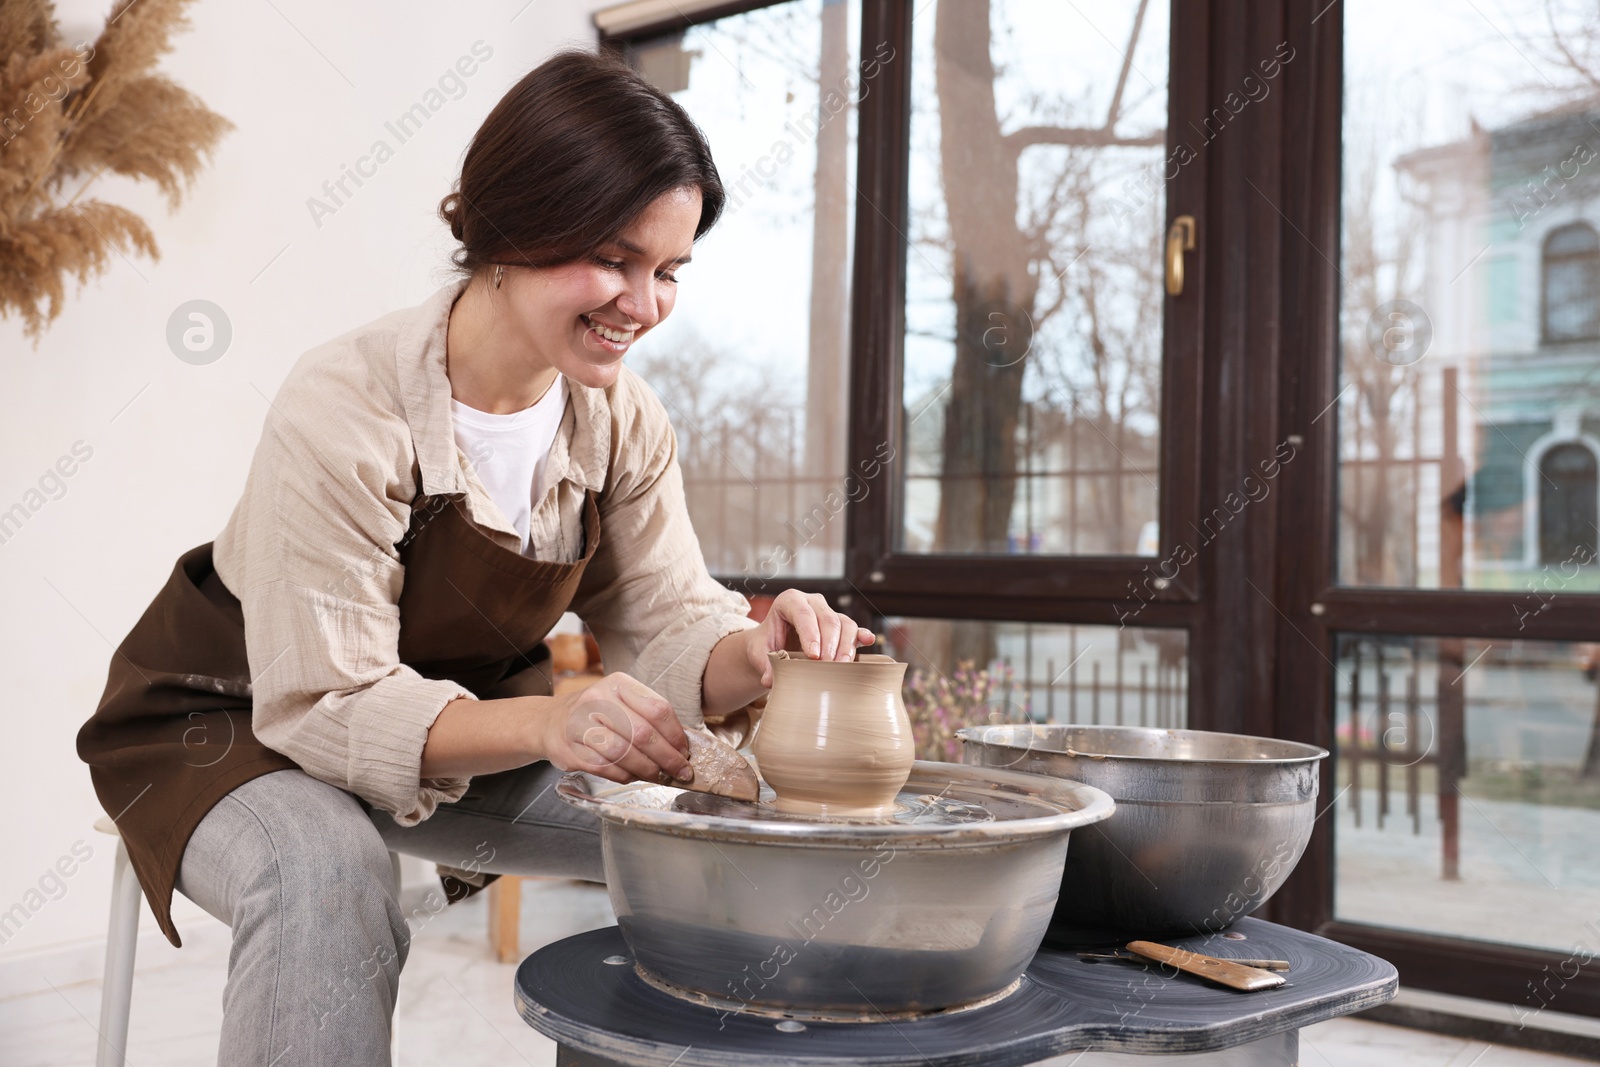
x=450, y=211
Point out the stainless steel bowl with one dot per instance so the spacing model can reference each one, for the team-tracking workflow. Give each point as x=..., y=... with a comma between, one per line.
x=745, y=908
x=1207, y=826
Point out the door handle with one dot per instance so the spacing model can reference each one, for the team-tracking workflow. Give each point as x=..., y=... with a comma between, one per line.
x=1180, y=239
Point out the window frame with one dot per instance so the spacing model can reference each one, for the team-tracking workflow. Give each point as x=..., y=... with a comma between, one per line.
x=1592, y=257
x=878, y=577
x=1544, y=482
x=1314, y=607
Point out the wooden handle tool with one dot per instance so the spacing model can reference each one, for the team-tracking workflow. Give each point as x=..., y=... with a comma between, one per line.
x=1223, y=972
x=1265, y=965
x=718, y=768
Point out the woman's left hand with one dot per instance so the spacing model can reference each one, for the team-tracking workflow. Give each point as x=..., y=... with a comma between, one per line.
x=804, y=622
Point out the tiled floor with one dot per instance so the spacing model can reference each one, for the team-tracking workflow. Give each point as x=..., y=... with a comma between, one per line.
x=455, y=1004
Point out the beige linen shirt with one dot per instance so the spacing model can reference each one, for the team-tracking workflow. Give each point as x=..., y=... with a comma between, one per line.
x=359, y=428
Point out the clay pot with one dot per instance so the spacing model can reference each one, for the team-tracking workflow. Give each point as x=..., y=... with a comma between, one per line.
x=835, y=739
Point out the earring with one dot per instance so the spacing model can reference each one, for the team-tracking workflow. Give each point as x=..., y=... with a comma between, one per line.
x=499, y=274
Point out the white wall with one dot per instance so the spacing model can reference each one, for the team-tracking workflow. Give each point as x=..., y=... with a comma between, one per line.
x=166, y=471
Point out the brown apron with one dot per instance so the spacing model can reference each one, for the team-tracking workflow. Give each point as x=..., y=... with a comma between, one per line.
x=172, y=735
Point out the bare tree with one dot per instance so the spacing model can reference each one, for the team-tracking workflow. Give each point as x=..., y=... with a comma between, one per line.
x=737, y=435
x=744, y=444
x=1122, y=374
x=828, y=380
x=772, y=33
x=1380, y=263
x=995, y=279
x=1570, y=45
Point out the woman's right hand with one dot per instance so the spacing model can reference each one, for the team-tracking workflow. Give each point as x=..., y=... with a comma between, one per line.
x=619, y=729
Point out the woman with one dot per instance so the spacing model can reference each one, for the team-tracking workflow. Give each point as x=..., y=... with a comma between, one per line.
x=353, y=666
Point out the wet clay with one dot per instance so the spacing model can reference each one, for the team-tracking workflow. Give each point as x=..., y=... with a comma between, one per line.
x=718, y=769
x=835, y=739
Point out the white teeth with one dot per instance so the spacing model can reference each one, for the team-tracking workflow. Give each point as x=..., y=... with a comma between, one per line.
x=619, y=337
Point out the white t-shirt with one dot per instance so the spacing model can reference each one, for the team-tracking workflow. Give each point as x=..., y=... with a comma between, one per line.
x=509, y=452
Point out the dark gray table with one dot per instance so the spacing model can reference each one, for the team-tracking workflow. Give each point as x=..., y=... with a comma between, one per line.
x=602, y=1014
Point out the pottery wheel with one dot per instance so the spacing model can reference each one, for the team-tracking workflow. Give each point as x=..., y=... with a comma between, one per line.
x=921, y=809
x=913, y=904
x=941, y=802
x=584, y=993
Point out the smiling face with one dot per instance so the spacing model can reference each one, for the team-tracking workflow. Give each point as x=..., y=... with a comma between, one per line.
x=581, y=318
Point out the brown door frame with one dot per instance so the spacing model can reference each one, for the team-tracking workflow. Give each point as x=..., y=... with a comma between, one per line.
x=879, y=580
x=1079, y=589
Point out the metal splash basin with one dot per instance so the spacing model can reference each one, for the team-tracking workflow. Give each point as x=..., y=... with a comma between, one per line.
x=935, y=906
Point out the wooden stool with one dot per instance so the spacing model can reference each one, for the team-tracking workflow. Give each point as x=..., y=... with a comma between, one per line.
x=505, y=917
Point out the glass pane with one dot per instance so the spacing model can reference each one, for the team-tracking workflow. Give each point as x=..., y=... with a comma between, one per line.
x=1571, y=312
x=1469, y=416
x=753, y=363
x=1032, y=383
x=1469, y=787
x=965, y=673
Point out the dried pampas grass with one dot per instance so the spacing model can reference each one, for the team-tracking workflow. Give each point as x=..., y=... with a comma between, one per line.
x=69, y=113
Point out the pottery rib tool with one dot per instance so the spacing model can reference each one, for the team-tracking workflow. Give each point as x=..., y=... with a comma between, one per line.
x=718, y=768
x=1261, y=965
x=1265, y=965
x=1223, y=972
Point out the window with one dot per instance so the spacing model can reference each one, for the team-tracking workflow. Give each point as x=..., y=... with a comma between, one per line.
x=903, y=376
x=1077, y=535
x=1572, y=284
x=1454, y=637
x=1448, y=750
x=929, y=391
x=1033, y=349
x=1567, y=505
x=968, y=672
x=1444, y=398
x=753, y=365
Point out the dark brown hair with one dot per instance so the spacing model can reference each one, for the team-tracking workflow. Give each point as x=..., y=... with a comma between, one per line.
x=568, y=159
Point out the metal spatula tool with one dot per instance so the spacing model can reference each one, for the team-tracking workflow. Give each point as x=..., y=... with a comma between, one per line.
x=718, y=768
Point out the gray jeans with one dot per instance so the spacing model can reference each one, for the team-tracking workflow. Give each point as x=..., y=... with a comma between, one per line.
x=300, y=871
